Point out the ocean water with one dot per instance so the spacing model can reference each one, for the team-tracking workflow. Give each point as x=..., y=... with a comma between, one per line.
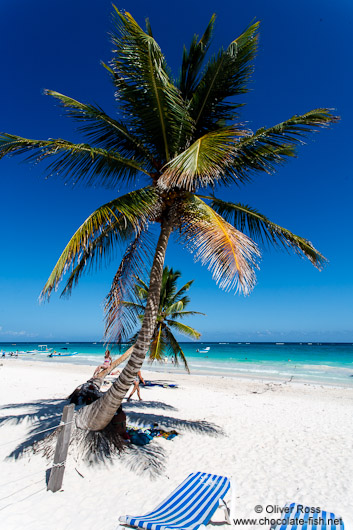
x=323, y=363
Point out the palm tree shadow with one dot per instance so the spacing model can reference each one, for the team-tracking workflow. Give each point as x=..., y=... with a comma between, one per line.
x=45, y=415
x=152, y=458
x=148, y=459
x=147, y=404
x=42, y=414
x=142, y=419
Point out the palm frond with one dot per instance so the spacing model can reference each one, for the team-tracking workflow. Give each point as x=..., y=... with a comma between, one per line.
x=185, y=300
x=188, y=331
x=267, y=148
x=141, y=289
x=176, y=350
x=193, y=59
x=183, y=290
x=173, y=308
x=74, y=162
x=168, y=288
x=264, y=231
x=204, y=162
x=114, y=222
x=140, y=309
x=226, y=75
x=104, y=131
x=152, y=105
x=182, y=314
x=230, y=255
x=141, y=284
x=120, y=317
x=141, y=292
x=225, y=156
x=158, y=345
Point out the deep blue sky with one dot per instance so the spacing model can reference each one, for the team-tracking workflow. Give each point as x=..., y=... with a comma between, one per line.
x=304, y=62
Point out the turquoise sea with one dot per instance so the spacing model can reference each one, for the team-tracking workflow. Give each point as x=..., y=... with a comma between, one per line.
x=325, y=363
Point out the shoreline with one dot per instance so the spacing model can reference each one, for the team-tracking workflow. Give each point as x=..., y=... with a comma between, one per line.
x=172, y=371
x=330, y=365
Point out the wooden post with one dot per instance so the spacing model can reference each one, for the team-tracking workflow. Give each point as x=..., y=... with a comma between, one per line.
x=62, y=446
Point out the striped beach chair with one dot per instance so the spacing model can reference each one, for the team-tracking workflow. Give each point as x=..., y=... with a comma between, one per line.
x=299, y=517
x=190, y=506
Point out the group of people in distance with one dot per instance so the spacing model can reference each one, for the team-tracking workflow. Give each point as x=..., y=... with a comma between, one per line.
x=106, y=364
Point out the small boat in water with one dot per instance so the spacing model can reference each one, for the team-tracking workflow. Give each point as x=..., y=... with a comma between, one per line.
x=205, y=350
x=42, y=348
x=59, y=354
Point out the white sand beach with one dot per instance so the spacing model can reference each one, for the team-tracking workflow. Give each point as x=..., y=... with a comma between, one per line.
x=280, y=442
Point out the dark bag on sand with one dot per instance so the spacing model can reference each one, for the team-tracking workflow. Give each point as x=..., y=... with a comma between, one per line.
x=139, y=438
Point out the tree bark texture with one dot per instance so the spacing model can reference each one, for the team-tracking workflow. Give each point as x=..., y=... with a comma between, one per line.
x=96, y=416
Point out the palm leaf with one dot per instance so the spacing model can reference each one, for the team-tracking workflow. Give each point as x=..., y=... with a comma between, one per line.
x=114, y=222
x=262, y=230
x=152, y=105
x=139, y=308
x=222, y=156
x=141, y=284
x=183, y=329
x=168, y=288
x=193, y=59
x=185, y=300
x=141, y=292
x=141, y=289
x=120, y=316
x=183, y=290
x=103, y=130
x=173, y=308
x=267, y=148
x=182, y=314
x=158, y=345
x=175, y=349
x=230, y=255
x=74, y=162
x=226, y=76
x=169, y=310
x=204, y=162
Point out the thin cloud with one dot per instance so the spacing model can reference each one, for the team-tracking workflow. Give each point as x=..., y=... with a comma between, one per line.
x=21, y=333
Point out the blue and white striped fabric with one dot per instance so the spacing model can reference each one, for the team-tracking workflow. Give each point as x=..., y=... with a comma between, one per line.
x=191, y=505
x=298, y=517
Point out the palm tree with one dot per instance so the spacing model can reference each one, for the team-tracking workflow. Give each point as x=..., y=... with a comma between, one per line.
x=172, y=307
x=180, y=136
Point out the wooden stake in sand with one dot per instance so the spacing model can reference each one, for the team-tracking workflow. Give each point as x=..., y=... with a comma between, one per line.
x=62, y=446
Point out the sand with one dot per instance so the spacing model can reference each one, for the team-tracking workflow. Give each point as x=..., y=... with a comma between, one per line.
x=279, y=442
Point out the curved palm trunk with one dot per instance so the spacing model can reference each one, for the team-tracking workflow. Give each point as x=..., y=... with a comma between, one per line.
x=116, y=363
x=96, y=416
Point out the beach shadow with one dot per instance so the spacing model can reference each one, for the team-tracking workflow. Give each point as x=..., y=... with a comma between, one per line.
x=151, y=459
x=136, y=404
x=148, y=459
x=143, y=419
x=43, y=414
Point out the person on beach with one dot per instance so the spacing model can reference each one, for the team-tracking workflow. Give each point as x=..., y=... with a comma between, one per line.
x=139, y=379
x=106, y=363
